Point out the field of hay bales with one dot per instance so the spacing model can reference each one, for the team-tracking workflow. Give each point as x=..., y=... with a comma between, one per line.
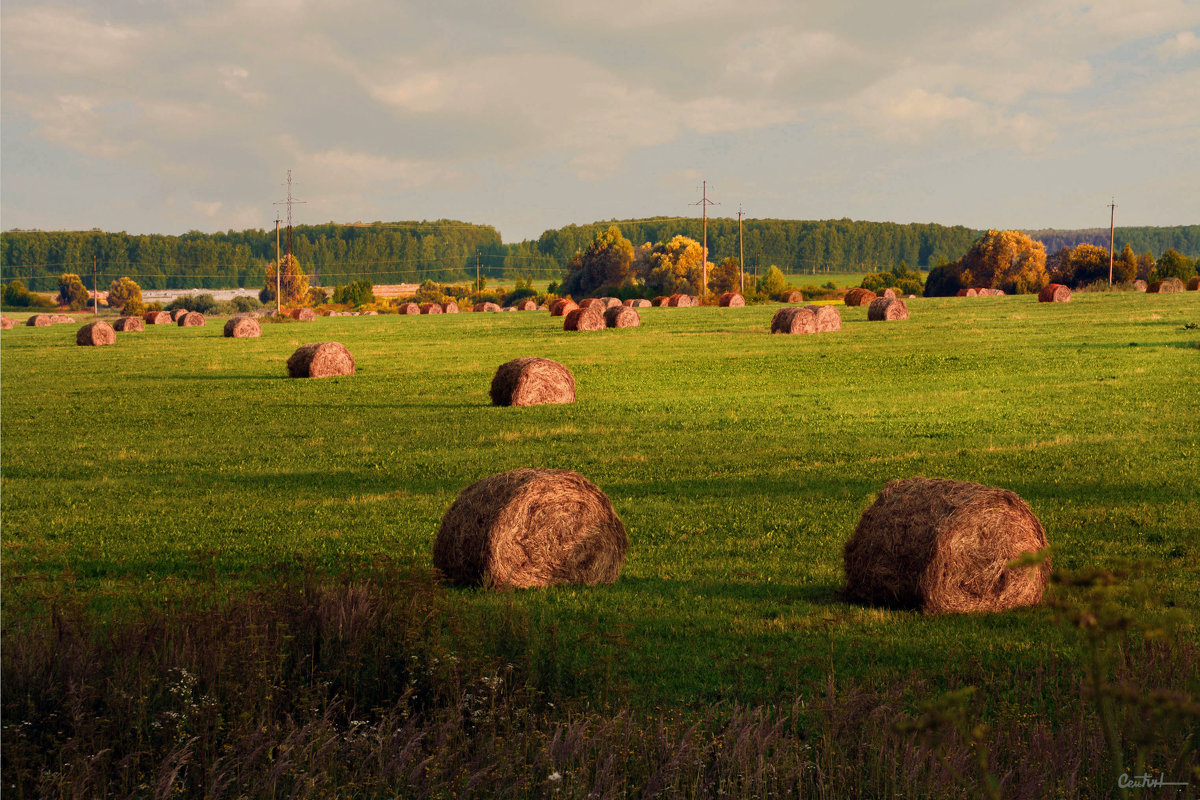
x=739, y=462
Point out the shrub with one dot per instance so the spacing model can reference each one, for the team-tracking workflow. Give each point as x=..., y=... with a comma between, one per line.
x=134, y=307
x=772, y=283
x=123, y=291
x=15, y=294
x=71, y=292
x=900, y=278
x=357, y=293
x=316, y=296
x=204, y=303
x=243, y=304
x=1173, y=264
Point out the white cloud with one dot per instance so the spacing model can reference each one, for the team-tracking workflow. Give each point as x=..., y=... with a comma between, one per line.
x=77, y=123
x=1178, y=46
x=63, y=41
x=779, y=52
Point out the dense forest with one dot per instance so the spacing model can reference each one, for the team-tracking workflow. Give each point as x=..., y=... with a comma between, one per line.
x=447, y=250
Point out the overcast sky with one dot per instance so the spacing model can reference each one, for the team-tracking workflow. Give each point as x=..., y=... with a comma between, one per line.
x=162, y=116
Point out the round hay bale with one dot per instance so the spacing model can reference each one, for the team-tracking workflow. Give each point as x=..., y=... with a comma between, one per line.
x=609, y=302
x=791, y=296
x=304, y=314
x=129, y=324
x=431, y=308
x=1139, y=285
x=622, y=317
x=1054, y=293
x=794, y=319
x=176, y=313
x=827, y=318
x=583, y=319
x=679, y=301
x=39, y=321
x=594, y=302
x=242, y=328
x=408, y=308
x=944, y=547
x=371, y=313
x=320, y=360
x=859, y=297
x=95, y=334
x=1193, y=283
x=889, y=293
x=6, y=322
x=885, y=309
x=731, y=300
x=1163, y=287
x=562, y=307
x=157, y=318
x=532, y=382
x=638, y=302
x=509, y=308
x=57, y=318
x=528, y=304
x=661, y=302
x=531, y=528
x=481, y=307
x=450, y=308
x=192, y=319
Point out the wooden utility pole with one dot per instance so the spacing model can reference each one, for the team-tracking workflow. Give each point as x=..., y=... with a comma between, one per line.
x=278, y=268
x=1112, y=221
x=741, y=254
x=95, y=289
x=704, y=203
x=477, y=270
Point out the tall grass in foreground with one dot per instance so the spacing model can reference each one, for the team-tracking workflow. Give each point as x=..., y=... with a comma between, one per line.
x=372, y=685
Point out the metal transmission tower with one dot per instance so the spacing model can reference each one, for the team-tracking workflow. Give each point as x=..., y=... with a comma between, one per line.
x=741, y=254
x=289, y=241
x=704, y=203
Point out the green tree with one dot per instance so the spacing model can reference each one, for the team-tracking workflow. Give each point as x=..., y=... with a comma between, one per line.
x=360, y=293
x=292, y=280
x=15, y=294
x=772, y=283
x=1007, y=260
x=726, y=276
x=71, y=292
x=675, y=267
x=122, y=292
x=1173, y=264
x=605, y=263
x=1125, y=266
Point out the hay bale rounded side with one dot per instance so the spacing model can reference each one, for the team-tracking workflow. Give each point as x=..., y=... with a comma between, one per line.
x=661, y=301
x=609, y=302
x=408, y=308
x=622, y=317
x=887, y=309
x=583, y=319
x=431, y=308
x=528, y=304
x=486, y=306
x=1054, y=293
x=96, y=334
x=889, y=293
x=129, y=324
x=562, y=307
x=192, y=319
x=304, y=314
x=794, y=319
x=1164, y=287
x=791, y=296
x=39, y=321
x=531, y=528
x=944, y=547
x=679, y=301
x=532, y=382
x=320, y=360
x=827, y=318
x=6, y=323
x=731, y=300
x=859, y=296
x=57, y=318
x=450, y=308
x=242, y=328
x=157, y=318
x=594, y=303
x=638, y=302
x=1193, y=283
x=1139, y=285
x=176, y=313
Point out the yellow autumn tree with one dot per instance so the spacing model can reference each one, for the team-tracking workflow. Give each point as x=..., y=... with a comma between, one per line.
x=674, y=267
x=293, y=283
x=1007, y=260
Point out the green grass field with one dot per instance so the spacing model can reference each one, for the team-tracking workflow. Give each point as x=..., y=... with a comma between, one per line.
x=739, y=462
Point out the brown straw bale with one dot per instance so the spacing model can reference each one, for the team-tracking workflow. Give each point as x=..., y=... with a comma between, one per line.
x=57, y=318
x=1054, y=293
x=661, y=301
x=884, y=309
x=791, y=296
x=192, y=319
x=450, y=308
x=487, y=306
x=731, y=300
x=528, y=304
x=889, y=293
x=157, y=318
x=129, y=324
x=304, y=314
x=1193, y=283
x=679, y=301
x=594, y=302
x=531, y=528
x=95, y=334
x=532, y=382
x=794, y=319
x=6, y=322
x=39, y=321
x=622, y=317
x=408, y=308
x=431, y=308
x=371, y=313
x=242, y=328
x=945, y=547
x=1139, y=285
x=638, y=302
x=1163, y=287
x=562, y=307
x=320, y=360
x=176, y=313
x=859, y=297
x=583, y=319
x=828, y=318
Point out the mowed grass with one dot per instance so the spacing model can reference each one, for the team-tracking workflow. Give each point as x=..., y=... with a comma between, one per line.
x=739, y=462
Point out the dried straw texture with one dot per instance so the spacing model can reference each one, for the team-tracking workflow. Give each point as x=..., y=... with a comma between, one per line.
x=531, y=528
x=609, y=302
x=828, y=318
x=128, y=324
x=794, y=319
x=408, y=308
x=562, y=307
x=1193, y=283
x=431, y=308
x=594, y=302
x=966, y=293
x=6, y=322
x=792, y=297
x=1139, y=285
x=450, y=308
x=95, y=334
x=884, y=309
x=192, y=319
x=731, y=300
x=39, y=321
x=584, y=319
x=1054, y=293
x=532, y=382
x=944, y=547
x=889, y=293
x=528, y=304
x=304, y=314
x=679, y=301
x=371, y=313
x=157, y=318
x=57, y=318
x=486, y=307
x=320, y=360
x=622, y=317
x=661, y=301
x=242, y=328
x=177, y=313
x=992, y=292
x=638, y=302
x=1169, y=285
x=859, y=297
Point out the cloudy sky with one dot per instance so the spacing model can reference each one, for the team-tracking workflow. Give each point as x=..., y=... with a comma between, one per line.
x=170, y=115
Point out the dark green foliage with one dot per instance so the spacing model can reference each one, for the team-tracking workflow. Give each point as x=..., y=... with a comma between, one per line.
x=772, y=283
x=71, y=292
x=900, y=278
x=1173, y=264
x=605, y=264
x=242, y=303
x=1185, y=238
x=15, y=294
x=204, y=303
x=316, y=296
x=943, y=281
x=356, y=293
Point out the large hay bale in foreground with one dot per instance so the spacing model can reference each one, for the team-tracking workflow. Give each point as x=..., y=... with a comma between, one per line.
x=157, y=318
x=192, y=319
x=638, y=302
x=859, y=296
x=583, y=319
x=95, y=334
x=791, y=296
x=242, y=328
x=450, y=308
x=1163, y=287
x=486, y=306
x=304, y=314
x=827, y=318
x=528, y=304
x=6, y=322
x=531, y=528
x=431, y=308
x=39, y=321
x=1139, y=285
x=595, y=303
x=794, y=319
x=887, y=309
x=532, y=382
x=731, y=300
x=408, y=308
x=176, y=313
x=320, y=360
x=1054, y=293
x=622, y=317
x=562, y=307
x=944, y=547
x=129, y=324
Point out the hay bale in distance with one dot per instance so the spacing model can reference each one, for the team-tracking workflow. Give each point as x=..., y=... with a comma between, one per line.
x=95, y=334
x=129, y=324
x=242, y=328
x=157, y=318
x=794, y=319
x=1193, y=283
x=1054, y=293
x=176, y=313
x=583, y=319
x=731, y=300
x=450, y=308
x=791, y=296
x=431, y=308
x=320, y=360
x=531, y=528
x=192, y=319
x=679, y=301
x=532, y=382
x=827, y=318
x=6, y=322
x=39, y=321
x=609, y=302
x=1139, y=285
x=944, y=547
x=889, y=293
x=562, y=307
x=887, y=309
x=594, y=302
x=528, y=304
x=638, y=302
x=408, y=308
x=661, y=301
x=481, y=307
x=1163, y=287
x=57, y=318
x=622, y=317
x=304, y=314
x=859, y=297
